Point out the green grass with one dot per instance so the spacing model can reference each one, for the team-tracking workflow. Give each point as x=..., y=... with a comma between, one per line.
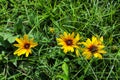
x=34, y=17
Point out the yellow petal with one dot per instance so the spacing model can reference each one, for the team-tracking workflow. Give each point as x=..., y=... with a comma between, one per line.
x=76, y=46
x=17, y=51
x=17, y=45
x=102, y=51
x=87, y=55
x=101, y=47
x=72, y=35
x=22, y=51
x=77, y=38
x=25, y=37
x=71, y=49
x=65, y=50
x=59, y=39
x=97, y=55
x=77, y=53
x=27, y=54
x=33, y=45
x=88, y=41
x=61, y=43
x=101, y=39
x=94, y=40
x=20, y=41
x=84, y=43
x=65, y=34
x=29, y=50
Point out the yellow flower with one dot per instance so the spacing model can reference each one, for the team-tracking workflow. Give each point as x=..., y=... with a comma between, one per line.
x=24, y=46
x=51, y=29
x=94, y=48
x=69, y=42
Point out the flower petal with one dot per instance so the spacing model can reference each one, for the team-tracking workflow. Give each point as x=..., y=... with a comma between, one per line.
x=77, y=38
x=17, y=51
x=97, y=55
x=87, y=55
x=22, y=51
x=94, y=40
x=27, y=54
x=65, y=34
x=20, y=41
x=17, y=45
x=102, y=51
x=77, y=53
x=101, y=39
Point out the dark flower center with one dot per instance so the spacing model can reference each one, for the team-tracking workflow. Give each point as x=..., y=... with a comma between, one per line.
x=26, y=46
x=69, y=42
x=93, y=48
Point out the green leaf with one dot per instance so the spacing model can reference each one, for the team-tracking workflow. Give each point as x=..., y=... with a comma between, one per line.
x=5, y=35
x=64, y=77
x=12, y=39
x=65, y=69
x=8, y=36
x=118, y=54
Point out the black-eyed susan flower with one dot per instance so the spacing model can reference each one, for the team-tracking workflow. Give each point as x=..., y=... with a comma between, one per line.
x=24, y=46
x=94, y=48
x=69, y=42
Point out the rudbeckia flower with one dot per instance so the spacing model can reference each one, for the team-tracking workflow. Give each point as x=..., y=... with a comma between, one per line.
x=69, y=42
x=93, y=47
x=24, y=46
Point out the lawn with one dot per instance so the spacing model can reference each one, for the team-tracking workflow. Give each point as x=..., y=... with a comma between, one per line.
x=59, y=39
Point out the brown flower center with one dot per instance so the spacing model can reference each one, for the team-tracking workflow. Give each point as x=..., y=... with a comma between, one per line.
x=93, y=48
x=26, y=46
x=69, y=42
